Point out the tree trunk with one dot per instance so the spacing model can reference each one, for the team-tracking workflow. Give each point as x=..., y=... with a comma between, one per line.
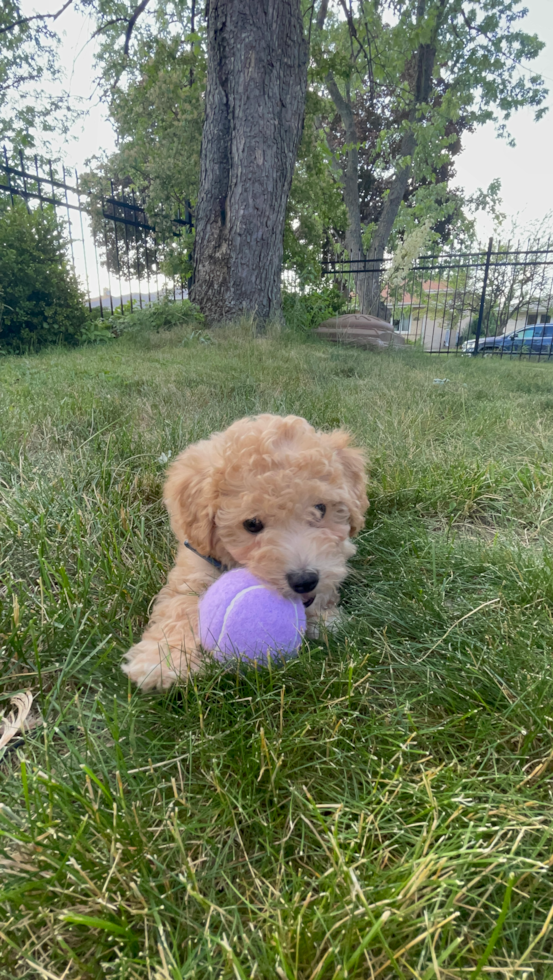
x=371, y=287
x=256, y=83
x=350, y=171
x=368, y=282
x=426, y=56
x=364, y=281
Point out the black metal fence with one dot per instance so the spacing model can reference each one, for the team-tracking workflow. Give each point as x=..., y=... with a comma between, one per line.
x=497, y=301
x=117, y=250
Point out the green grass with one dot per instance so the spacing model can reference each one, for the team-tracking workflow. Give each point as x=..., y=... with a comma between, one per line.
x=380, y=807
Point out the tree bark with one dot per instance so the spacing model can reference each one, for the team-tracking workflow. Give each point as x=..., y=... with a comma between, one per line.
x=321, y=15
x=256, y=84
x=354, y=242
x=371, y=286
x=350, y=182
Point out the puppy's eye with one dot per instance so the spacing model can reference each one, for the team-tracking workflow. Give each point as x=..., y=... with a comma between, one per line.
x=254, y=525
x=322, y=508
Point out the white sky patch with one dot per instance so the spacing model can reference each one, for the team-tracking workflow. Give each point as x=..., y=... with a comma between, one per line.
x=93, y=134
x=524, y=170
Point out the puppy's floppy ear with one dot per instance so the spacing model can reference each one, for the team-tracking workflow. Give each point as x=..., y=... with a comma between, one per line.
x=352, y=462
x=191, y=491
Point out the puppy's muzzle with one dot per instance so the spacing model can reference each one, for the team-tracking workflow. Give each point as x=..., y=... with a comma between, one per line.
x=303, y=581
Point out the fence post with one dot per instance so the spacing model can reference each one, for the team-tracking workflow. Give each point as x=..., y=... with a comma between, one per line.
x=483, y=298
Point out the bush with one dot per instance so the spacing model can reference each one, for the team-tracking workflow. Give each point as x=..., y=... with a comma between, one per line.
x=304, y=311
x=40, y=298
x=163, y=315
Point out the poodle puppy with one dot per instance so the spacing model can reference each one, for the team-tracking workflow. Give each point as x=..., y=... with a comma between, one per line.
x=270, y=494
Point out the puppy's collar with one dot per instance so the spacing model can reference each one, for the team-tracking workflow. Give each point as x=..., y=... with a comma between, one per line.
x=212, y=561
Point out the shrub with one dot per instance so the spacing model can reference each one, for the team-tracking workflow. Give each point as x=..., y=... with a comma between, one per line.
x=96, y=330
x=40, y=298
x=304, y=311
x=163, y=315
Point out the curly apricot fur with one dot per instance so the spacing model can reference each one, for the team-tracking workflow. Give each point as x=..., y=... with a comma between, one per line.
x=276, y=470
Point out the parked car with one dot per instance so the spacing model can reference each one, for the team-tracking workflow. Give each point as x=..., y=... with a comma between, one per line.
x=536, y=340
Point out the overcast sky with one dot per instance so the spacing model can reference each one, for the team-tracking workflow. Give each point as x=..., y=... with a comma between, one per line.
x=525, y=170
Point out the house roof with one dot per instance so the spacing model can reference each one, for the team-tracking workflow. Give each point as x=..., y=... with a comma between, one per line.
x=430, y=286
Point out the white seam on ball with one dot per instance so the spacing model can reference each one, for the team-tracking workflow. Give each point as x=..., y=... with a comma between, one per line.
x=251, y=588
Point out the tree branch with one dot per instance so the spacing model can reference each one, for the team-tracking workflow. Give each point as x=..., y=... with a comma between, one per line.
x=350, y=171
x=355, y=37
x=321, y=16
x=104, y=27
x=474, y=27
x=138, y=10
x=128, y=33
x=343, y=107
x=27, y=20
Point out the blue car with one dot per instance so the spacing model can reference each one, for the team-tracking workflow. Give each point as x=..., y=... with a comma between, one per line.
x=536, y=341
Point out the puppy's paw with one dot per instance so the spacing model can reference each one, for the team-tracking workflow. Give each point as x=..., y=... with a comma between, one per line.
x=328, y=620
x=313, y=630
x=149, y=665
x=333, y=619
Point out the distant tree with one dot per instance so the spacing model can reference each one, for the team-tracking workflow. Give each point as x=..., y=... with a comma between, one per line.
x=154, y=87
x=29, y=59
x=519, y=284
x=519, y=290
x=407, y=78
x=156, y=99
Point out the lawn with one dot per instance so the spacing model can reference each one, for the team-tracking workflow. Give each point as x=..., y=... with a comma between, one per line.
x=379, y=807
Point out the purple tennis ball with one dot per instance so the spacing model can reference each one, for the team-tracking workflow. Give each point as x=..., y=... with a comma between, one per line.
x=242, y=617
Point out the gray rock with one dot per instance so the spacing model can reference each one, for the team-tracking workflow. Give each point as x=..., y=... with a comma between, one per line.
x=360, y=330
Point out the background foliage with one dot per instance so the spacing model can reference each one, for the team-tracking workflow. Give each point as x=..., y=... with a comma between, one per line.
x=41, y=301
x=371, y=53
x=31, y=109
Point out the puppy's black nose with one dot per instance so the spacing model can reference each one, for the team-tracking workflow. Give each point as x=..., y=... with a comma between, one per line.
x=304, y=581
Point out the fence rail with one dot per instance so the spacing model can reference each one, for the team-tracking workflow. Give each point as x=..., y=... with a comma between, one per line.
x=492, y=301
x=111, y=236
